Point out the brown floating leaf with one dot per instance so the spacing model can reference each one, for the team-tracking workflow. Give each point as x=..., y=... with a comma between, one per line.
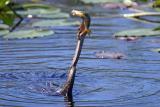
x=110, y=55
x=137, y=33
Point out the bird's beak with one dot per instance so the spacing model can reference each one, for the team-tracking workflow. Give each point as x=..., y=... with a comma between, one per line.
x=77, y=13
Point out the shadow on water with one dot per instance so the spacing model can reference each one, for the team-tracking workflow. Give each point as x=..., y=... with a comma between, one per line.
x=69, y=101
x=33, y=69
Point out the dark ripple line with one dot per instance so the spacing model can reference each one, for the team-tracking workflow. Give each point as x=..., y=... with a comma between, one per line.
x=51, y=102
x=17, y=48
x=7, y=105
x=40, y=100
x=92, y=70
x=119, y=100
x=143, y=96
x=116, y=73
x=136, y=77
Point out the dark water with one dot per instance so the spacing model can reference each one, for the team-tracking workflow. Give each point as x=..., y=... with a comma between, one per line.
x=31, y=69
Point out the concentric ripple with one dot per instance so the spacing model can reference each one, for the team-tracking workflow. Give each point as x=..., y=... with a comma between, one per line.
x=32, y=70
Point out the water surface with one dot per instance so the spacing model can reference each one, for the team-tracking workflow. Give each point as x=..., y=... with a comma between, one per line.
x=31, y=69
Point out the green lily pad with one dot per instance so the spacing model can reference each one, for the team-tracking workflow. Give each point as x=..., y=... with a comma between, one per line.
x=39, y=11
x=100, y=1
x=44, y=13
x=157, y=9
x=157, y=28
x=138, y=33
x=36, y=5
x=3, y=32
x=22, y=34
x=57, y=22
x=56, y=15
x=4, y=26
x=156, y=50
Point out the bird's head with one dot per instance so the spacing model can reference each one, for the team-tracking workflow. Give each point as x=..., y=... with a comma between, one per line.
x=84, y=27
x=81, y=14
x=78, y=13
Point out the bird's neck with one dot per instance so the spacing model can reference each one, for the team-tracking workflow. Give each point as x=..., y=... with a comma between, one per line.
x=67, y=88
x=84, y=29
x=86, y=22
x=77, y=52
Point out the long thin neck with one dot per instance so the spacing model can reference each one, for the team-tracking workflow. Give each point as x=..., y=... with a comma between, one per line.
x=67, y=88
x=78, y=51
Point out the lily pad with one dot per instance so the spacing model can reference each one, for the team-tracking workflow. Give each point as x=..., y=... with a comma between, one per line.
x=110, y=55
x=36, y=5
x=45, y=13
x=56, y=15
x=138, y=33
x=4, y=26
x=157, y=28
x=57, y=22
x=28, y=34
x=156, y=50
x=100, y=1
x=3, y=32
x=38, y=11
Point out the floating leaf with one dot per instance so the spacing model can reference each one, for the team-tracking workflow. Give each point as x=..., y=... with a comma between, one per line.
x=39, y=11
x=100, y=1
x=138, y=33
x=28, y=34
x=157, y=28
x=157, y=9
x=3, y=32
x=58, y=22
x=56, y=15
x=112, y=55
x=50, y=12
x=36, y=5
x=45, y=13
x=156, y=50
x=4, y=26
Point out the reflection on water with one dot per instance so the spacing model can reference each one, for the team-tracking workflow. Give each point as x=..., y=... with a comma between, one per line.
x=33, y=69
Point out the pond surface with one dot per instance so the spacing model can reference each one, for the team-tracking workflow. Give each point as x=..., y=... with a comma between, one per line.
x=31, y=69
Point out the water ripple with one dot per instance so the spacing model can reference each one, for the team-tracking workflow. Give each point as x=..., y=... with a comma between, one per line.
x=33, y=69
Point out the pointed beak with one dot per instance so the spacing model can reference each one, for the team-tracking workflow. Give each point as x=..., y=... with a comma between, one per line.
x=77, y=13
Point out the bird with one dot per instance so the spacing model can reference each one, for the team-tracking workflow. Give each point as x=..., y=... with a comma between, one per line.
x=83, y=30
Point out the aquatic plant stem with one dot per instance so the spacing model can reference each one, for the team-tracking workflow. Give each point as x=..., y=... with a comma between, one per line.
x=19, y=16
